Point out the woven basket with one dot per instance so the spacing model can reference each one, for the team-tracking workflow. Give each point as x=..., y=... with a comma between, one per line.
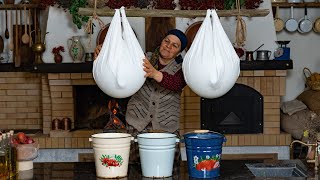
x=312, y=79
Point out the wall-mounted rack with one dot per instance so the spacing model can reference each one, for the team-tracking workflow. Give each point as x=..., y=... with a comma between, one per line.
x=175, y=13
x=297, y=5
x=17, y=6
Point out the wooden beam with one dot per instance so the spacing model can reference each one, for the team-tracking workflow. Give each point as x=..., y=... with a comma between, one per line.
x=17, y=6
x=175, y=13
x=296, y=5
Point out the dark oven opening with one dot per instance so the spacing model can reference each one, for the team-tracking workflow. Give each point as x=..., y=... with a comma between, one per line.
x=240, y=111
x=96, y=110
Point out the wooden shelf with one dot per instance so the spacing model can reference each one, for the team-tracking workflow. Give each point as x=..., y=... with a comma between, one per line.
x=175, y=13
x=17, y=6
x=297, y=5
x=87, y=66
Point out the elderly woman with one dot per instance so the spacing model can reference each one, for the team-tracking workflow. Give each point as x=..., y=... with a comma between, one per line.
x=156, y=106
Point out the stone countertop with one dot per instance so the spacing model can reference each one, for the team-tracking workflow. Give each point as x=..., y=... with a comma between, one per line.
x=229, y=170
x=86, y=170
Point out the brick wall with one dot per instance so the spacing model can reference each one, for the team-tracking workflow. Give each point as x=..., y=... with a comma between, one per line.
x=31, y=101
x=271, y=84
x=20, y=100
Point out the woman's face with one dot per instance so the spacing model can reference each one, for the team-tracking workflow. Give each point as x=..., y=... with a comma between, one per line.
x=170, y=47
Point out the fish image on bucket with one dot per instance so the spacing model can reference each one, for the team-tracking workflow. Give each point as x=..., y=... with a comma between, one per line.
x=157, y=152
x=111, y=154
x=204, y=150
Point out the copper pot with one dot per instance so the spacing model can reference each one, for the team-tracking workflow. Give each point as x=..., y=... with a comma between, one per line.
x=66, y=123
x=55, y=124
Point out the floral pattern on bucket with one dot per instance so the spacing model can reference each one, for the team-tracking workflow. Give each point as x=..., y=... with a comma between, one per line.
x=208, y=163
x=111, y=160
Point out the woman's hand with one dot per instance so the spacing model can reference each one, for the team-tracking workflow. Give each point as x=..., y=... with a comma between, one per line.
x=151, y=72
x=97, y=51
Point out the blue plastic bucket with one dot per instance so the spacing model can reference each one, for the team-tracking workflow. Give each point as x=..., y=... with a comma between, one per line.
x=204, y=150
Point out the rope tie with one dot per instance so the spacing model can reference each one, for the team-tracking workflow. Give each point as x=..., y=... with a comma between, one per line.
x=241, y=31
x=88, y=28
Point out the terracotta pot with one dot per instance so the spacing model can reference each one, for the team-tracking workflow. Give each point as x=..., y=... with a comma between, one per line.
x=57, y=58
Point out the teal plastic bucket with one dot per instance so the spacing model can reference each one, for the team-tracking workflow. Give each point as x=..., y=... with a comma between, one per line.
x=204, y=150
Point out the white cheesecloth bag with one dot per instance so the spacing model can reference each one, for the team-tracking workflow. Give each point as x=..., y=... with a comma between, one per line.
x=118, y=69
x=211, y=66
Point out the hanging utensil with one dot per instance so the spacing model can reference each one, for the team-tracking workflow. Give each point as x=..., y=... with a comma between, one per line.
x=11, y=44
x=29, y=23
x=316, y=25
x=305, y=25
x=35, y=25
x=1, y=44
x=291, y=24
x=25, y=37
x=16, y=52
x=6, y=33
x=278, y=22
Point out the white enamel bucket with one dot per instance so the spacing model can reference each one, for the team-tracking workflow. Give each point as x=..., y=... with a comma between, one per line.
x=111, y=154
x=157, y=152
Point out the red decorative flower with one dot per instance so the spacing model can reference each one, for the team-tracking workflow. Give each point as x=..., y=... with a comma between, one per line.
x=57, y=50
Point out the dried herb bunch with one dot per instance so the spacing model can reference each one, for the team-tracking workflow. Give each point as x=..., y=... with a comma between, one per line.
x=116, y=4
x=201, y=4
x=252, y=4
x=164, y=4
x=43, y=4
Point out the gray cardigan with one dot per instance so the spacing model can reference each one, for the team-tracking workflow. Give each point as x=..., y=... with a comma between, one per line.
x=156, y=104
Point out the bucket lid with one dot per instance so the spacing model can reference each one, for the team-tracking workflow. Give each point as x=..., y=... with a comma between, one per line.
x=203, y=134
x=111, y=135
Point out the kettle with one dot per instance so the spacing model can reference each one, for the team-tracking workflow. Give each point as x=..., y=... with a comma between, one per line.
x=263, y=55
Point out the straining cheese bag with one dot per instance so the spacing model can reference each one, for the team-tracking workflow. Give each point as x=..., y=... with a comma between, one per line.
x=211, y=66
x=118, y=69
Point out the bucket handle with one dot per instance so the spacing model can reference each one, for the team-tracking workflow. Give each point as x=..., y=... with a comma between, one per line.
x=132, y=139
x=177, y=140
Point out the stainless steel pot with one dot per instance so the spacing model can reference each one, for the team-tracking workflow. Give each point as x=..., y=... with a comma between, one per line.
x=263, y=55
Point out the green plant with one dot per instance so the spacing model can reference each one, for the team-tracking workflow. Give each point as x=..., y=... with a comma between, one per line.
x=231, y=4
x=78, y=19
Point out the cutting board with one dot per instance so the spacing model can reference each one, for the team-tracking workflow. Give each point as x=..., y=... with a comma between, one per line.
x=25, y=52
x=156, y=29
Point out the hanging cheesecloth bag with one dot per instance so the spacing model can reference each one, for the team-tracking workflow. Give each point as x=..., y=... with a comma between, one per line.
x=211, y=66
x=118, y=69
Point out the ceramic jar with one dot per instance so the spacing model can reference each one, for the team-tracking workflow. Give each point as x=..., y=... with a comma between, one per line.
x=66, y=123
x=56, y=124
x=57, y=58
x=76, y=49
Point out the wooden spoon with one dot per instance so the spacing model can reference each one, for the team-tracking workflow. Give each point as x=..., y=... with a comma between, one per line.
x=25, y=36
x=11, y=44
x=29, y=22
